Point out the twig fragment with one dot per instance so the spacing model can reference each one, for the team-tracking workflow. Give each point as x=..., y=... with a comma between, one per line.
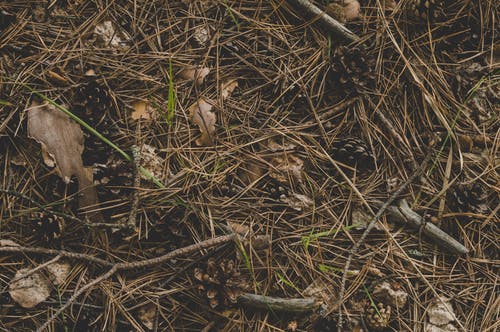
x=403, y=213
x=326, y=20
x=298, y=305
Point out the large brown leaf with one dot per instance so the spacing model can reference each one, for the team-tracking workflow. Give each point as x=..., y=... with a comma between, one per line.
x=62, y=146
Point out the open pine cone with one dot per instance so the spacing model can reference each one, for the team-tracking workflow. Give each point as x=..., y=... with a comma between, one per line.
x=424, y=9
x=220, y=282
x=352, y=68
x=353, y=152
x=378, y=319
x=471, y=197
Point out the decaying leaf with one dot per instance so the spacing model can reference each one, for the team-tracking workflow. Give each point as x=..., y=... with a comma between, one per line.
x=201, y=114
x=361, y=218
x=251, y=171
x=58, y=272
x=273, y=146
x=147, y=314
x=107, y=36
x=196, y=74
x=285, y=166
x=351, y=9
x=151, y=161
x=322, y=291
x=201, y=35
x=228, y=87
x=62, y=139
x=142, y=110
x=30, y=290
x=298, y=202
x=240, y=229
x=440, y=312
x=393, y=296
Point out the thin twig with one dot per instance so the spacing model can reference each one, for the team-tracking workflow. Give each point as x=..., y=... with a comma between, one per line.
x=326, y=20
x=134, y=265
x=370, y=226
x=278, y=304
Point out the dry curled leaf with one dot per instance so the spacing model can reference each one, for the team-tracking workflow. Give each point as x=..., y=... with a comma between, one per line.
x=285, y=166
x=30, y=290
x=201, y=35
x=62, y=145
x=147, y=314
x=297, y=202
x=58, y=272
x=196, y=74
x=201, y=115
x=440, y=312
x=142, y=110
x=385, y=292
x=151, y=162
x=228, y=87
x=351, y=9
x=107, y=36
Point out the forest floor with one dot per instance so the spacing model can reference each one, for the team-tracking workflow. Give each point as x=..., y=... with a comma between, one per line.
x=164, y=161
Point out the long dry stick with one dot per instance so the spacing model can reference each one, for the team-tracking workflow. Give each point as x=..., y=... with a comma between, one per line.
x=115, y=266
x=370, y=226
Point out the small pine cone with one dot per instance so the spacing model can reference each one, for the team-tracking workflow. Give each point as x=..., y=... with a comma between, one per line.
x=353, y=152
x=115, y=178
x=352, y=68
x=424, y=9
x=276, y=190
x=378, y=319
x=48, y=227
x=220, y=282
x=92, y=95
x=470, y=197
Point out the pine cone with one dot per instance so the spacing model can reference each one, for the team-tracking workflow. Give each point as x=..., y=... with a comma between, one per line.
x=220, y=282
x=47, y=227
x=114, y=178
x=469, y=198
x=276, y=190
x=424, y=9
x=352, y=69
x=353, y=152
x=378, y=320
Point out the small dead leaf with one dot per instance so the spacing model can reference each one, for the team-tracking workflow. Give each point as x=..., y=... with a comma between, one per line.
x=351, y=9
x=30, y=290
x=201, y=35
x=298, y=202
x=8, y=243
x=440, y=312
x=322, y=291
x=445, y=328
x=196, y=74
x=62, y=142
x=58, y=272
x=239, y=228
x=147, y=314
x=385, y=293
x=261, y=242
x=228, y=87
x=361, y=218
x=275, y=147
x=285, y=166
x=107, y=36
x=151, y=161
x=251, y=171
x=142, y=110
x=201, y=114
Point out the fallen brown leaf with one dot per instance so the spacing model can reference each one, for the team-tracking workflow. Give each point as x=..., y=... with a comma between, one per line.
x=228, y=87
x=30, y=290
x=285, y=166
x=201, y=114
x=142, y=110
x=62, y=145
x=196, y=74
